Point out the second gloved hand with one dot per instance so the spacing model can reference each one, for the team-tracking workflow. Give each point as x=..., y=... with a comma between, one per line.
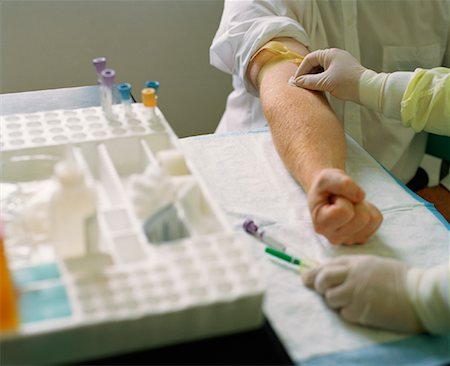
x=367, y=290
x=340, y=75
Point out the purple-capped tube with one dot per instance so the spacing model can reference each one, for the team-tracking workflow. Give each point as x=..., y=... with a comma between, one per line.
x=100, y=65
x=107, y=84
x=251, y=228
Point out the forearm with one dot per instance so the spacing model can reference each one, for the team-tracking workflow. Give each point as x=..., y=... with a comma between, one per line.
x=306, y=132
x=311, y=142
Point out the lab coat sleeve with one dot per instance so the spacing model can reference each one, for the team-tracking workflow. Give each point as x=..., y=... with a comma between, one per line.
x=420, y=99
x=426, y=102
x=428, y=290
x=245, y=27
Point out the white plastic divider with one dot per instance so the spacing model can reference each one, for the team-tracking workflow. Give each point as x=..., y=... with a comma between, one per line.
x=197, y=212
x=110, y=179
x=135, y=290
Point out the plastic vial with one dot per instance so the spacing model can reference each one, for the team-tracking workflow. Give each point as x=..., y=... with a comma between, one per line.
x=106, y=87
x=72, y=211
x=125, y=94
x=149, y=99
x=9, y=313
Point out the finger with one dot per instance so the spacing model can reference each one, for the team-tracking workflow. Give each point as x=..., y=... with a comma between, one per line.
x=330, y=276
x=374, y=221
x=349, y=314
x=338, y=296
x=309, y=276
x=337, y=182
x=318, y=82
x=309, y=63
x=342, y=260
x=329, y=218
x=355, y=227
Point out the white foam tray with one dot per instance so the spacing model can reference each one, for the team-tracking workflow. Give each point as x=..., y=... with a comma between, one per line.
x=133, y=294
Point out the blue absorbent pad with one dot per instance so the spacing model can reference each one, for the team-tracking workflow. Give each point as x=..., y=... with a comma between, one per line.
x=417, y=350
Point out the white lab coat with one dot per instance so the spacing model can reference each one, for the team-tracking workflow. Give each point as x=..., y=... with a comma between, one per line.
x=384, y=35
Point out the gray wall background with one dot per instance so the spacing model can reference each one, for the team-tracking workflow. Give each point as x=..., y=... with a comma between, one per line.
x=49, y=44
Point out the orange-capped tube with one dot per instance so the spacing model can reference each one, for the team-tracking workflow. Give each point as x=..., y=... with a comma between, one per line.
x=9, y=315
x=149, y=97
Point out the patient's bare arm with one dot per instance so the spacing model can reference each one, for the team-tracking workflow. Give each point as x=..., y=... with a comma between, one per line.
x=311, y=142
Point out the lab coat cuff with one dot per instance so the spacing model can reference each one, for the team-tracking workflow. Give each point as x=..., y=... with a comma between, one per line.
x=371, y=85
x=393, y=92
x=428, y=291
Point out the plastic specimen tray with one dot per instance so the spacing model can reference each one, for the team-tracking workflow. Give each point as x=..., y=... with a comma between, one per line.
x=132, y=291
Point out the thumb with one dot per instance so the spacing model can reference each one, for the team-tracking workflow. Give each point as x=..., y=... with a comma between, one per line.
x=310, y=275
x=337, y=182
x=312, y=82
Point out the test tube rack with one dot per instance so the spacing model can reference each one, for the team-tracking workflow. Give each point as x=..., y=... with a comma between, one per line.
x=130, y=293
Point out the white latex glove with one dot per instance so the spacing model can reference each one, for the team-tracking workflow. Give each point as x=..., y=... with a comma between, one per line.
x=340, y=75
x=338, y=209
x=367, y=290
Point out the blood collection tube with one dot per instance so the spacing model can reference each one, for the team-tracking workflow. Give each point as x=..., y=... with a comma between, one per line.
x=125, y=94
x=106, y=87
x=149, y=101
x=100, y=65
x=152, y=84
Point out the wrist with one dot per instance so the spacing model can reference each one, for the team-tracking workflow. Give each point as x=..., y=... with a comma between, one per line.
x=371, y=86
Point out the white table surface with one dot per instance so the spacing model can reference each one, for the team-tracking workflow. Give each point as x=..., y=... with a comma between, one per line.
x=248, y=180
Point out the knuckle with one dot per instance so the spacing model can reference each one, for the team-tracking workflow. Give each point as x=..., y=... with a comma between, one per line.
x=336, y=240
x=378, y=217
x=346, y=182
x=319, y=226
x=348, y=315
x=340, y=212
x=364, y=218
x=328, y=298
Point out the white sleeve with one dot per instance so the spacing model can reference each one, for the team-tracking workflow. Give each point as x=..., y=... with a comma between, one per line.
x=245, y=27
x=383, y=92
x=394, y=89
x=428, y=290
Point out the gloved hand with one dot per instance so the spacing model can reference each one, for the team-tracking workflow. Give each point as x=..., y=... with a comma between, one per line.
x=367, y=290
x=338, y=209
x=340, y=75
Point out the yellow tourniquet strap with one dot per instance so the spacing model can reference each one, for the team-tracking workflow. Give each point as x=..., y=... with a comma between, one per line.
x=280, y=53
x=280, y=50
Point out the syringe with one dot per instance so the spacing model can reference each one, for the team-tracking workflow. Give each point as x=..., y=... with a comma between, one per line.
x=303, y=264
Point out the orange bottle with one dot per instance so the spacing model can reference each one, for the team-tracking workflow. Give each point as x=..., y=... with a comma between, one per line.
x=9, y=317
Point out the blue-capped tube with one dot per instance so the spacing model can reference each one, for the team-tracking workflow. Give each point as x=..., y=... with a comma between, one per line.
x=153, y=84
x=125, y=95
